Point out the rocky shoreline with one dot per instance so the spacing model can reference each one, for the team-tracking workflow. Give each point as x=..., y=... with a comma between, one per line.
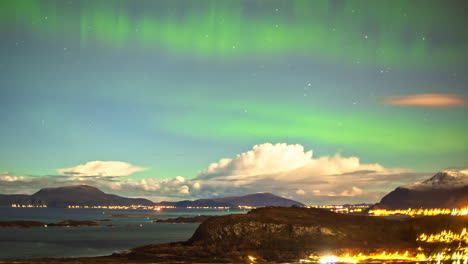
x=278, y=235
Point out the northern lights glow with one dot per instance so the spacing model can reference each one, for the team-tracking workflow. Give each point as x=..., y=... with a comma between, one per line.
x=276, y=121
x=356, y=31
x=175, y=85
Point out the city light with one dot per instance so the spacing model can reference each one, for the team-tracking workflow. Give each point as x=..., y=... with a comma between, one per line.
x=424, y=212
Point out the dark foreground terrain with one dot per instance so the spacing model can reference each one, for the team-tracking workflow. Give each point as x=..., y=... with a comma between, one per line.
x=277, y=234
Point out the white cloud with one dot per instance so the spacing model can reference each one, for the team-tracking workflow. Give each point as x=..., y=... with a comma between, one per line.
x=300, y=192
x=289, y=170
x=261, y=159
x=6, y=177
x=184, y=189
x=102, y=169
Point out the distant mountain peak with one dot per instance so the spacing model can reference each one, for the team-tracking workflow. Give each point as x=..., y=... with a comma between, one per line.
x=446, y=179
x=446, y=189
x=254, y=200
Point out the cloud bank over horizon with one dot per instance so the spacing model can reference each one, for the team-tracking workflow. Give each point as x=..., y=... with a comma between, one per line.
x=284, y=169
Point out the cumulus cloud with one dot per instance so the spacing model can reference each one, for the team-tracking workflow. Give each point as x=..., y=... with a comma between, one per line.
x=300, y=192
x=291, y=171
x=261, y=159
x=427, y=100
x=6, y=177
x=101, y=168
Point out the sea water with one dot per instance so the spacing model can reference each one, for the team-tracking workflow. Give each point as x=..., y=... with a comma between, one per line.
x=126, y=233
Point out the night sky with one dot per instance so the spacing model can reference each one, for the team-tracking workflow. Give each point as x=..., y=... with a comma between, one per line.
x=320, y=101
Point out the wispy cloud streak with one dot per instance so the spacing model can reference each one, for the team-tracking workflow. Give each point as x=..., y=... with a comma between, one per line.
x=426, y=100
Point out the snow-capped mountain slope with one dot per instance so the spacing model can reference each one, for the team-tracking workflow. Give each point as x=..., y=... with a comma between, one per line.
x=446, y=189
x=446, y=179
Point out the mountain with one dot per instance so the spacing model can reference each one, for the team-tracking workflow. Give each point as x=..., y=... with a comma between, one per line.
x=72, y=195
x=254, y=200
x=446, y=189
x=259, y=200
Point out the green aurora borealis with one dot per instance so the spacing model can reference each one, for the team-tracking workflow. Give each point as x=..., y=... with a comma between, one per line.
x=173, y=85
x=340, y=31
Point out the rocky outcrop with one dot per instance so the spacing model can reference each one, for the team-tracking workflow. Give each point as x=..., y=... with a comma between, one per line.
x=289, y=233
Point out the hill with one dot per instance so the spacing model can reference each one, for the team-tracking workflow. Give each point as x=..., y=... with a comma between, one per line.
x=254, y=200
x=82, y=195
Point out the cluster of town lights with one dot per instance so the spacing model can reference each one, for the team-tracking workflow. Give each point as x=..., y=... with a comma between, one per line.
x=455, y=254
x=361, y=258
x=29, y=205
x=445, y=237
x=116, y=207
x=425, y=212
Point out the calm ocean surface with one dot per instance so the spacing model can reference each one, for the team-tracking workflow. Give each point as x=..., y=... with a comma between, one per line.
x=38, y=242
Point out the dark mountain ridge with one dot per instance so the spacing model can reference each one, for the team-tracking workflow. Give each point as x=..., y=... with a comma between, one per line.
x=82, y=195
x=253, y=200
x=85, y=195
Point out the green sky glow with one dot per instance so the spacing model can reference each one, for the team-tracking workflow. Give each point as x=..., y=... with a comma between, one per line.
x=383, y=33
x=242, y=120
